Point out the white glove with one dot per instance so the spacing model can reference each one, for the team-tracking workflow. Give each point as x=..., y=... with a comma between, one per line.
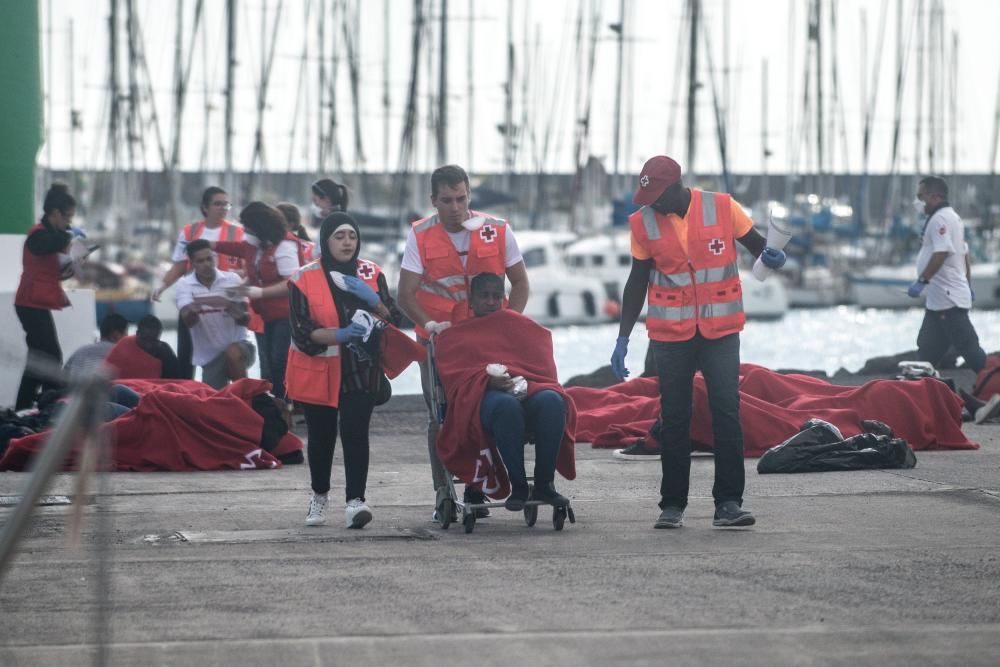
x=158, y=292
x=433, y=327
x=255, y=292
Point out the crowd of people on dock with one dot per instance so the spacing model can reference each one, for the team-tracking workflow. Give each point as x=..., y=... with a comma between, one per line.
x=324, y=323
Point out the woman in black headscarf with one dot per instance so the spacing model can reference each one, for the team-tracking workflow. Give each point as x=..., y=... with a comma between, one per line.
x=332, y=369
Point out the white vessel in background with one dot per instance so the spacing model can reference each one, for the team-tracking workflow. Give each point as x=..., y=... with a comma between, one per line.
x=986, y=284
x=609, y=258
x=559, y=296
x=884, y=287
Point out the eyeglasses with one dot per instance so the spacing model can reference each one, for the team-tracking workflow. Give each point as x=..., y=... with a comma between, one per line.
x=222, y=204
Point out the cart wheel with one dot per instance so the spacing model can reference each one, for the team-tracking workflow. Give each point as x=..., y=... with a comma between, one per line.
x=530, y=515
x=446, y=510
x=569, y=512
x=470, y=522
x=558, y=517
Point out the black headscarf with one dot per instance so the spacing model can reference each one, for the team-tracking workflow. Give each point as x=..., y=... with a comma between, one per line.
x=346, y=303
x=357, y=374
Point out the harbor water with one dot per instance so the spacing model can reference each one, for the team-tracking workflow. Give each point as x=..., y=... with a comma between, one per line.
x=825, y=339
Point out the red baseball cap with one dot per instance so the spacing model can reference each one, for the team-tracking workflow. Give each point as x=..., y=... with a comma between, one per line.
x=658, y=174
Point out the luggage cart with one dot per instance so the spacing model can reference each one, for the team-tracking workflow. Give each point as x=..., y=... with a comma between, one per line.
x=448, y=506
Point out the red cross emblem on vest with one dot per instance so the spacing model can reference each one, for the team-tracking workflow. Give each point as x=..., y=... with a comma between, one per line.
x=365, y=271
x=716, y=246
x=487, y=233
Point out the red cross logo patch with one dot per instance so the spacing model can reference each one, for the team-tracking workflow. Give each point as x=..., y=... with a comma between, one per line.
x=942, y=230
x=365, y=270
x=716, y=246
x=487, y=233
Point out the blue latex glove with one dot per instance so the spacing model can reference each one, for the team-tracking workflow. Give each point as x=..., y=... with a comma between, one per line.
x=916, y=289
x=772, y=259
x=77, y=232
x=360, y=289
x=352, y=331
x=618, y=358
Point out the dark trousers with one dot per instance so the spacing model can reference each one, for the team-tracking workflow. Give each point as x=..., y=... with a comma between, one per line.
x=354, y=415
x=942, y=329
x=185, y=350
x=507, y=420
x=40, y=336
x=719, y=362
x=277, y=338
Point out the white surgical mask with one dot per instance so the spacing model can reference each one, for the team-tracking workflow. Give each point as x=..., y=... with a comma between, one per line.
x=317, y=212
x=472, y=224
x=918, y=206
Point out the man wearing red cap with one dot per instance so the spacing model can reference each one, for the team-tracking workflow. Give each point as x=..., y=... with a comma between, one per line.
x=684, y=258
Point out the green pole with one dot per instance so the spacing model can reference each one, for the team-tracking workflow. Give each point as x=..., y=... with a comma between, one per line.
x=21, y=129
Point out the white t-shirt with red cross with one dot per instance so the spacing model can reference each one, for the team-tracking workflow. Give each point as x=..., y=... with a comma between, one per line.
x=948, y=288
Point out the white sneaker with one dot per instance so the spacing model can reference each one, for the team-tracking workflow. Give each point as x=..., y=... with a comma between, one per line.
x=357, y=513
x=316, y=507
x=988, y=411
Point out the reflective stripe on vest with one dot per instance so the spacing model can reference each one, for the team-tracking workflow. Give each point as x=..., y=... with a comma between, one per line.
x=716, y=274
x=707, y=208
x=437, y=290
x=667, y=313
x=722, y=309
x=673, y=280
x=426, y=224
x=649, y=222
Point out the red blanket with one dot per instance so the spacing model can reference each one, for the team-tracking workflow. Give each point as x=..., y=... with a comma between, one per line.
x=461, y=355
x=179, y=425
x=773, y=406
x=399, y=351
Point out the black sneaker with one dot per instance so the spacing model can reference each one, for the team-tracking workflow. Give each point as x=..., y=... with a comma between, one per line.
x=730, y=513
x=638, y=451
x=515, y=501
x=670, y=517
x=547, y=493
x=476, y=497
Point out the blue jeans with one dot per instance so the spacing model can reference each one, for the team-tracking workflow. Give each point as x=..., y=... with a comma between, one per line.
x=277, y=338
x=508, y=420
x=719, y=363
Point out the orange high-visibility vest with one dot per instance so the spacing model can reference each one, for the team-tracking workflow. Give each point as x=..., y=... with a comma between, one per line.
x=315, y=379
x=695, y=291
x=445, y=282
x=230, y=231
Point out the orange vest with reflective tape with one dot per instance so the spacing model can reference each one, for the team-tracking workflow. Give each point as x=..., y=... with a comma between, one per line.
x=697, y=291
x=445, y=282
x=315, y=379
x=230, y=231
x=39, y=286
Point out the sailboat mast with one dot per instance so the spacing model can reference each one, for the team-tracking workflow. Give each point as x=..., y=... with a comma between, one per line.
x=508, y=143
x=230, y=89
x=174, y=181
x=442, y=114
x=471, y=89
x=73, y=117
x=692, y=133
x=386, y=98
x=616, y=146
x=995, y=146
x=765, y=185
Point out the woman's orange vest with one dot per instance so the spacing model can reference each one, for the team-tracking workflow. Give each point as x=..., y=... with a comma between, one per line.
x=445, y=282
x=316, y=379
x=230, y=232
x=696, y=291
x=39, y=286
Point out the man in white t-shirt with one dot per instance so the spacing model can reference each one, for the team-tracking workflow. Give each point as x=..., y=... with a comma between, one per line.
x=443, y=252
x=217, y=321
x=943, y=276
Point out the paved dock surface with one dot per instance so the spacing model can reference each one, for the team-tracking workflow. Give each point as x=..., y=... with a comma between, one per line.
x=866, y=567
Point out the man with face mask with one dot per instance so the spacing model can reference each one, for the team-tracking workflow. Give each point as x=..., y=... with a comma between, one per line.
x=943, y=277
x=443, y=251
x=684, y=256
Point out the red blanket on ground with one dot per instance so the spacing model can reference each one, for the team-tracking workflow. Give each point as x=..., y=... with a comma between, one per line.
x=180, y=425
x=773, y=406
x=461, y=355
